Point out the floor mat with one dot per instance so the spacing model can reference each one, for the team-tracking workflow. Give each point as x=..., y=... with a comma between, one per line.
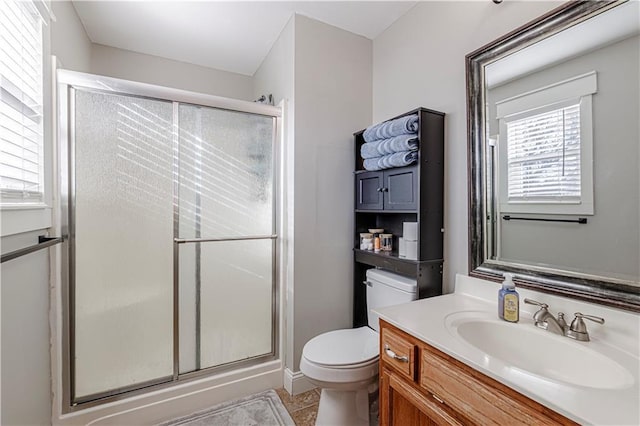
x=263, y=408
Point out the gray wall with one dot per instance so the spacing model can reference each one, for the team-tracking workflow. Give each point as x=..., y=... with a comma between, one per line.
x=325, y=73
x=615, y=225
x=333, y=80
x=26, y=386
x=419, y=61
x=134, y=66
x=69, y=41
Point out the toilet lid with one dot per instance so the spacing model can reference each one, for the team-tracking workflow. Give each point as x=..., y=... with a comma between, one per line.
x=343, y=347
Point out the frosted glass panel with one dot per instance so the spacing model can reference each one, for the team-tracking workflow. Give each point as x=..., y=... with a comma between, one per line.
x=236, y=301
x=188, y=303
x=124, y=231
x=225, y=173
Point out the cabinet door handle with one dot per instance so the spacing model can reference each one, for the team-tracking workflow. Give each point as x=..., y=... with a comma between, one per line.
x=385, y=189
x=393, y=355
x=379, y=189
x=437, y=398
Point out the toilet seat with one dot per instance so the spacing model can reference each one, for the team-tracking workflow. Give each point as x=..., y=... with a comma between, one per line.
x=348, y=348
x=342, y=357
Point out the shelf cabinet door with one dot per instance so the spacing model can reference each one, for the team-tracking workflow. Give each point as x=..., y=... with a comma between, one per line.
x=369, y=193
x=401, y=188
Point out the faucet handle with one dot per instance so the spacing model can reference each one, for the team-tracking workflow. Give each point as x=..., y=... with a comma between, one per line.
x=535, y=302
x=578, y=329
x=590, y=317
x=578, y=325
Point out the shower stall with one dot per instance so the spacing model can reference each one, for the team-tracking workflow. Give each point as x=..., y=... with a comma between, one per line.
x=169, y=206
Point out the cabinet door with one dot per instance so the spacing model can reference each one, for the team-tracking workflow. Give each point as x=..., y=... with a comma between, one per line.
x=401, y=188
x=369, y=191
x=402, y=405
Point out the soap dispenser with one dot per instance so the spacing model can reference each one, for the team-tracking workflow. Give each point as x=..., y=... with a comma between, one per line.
x=508, y=300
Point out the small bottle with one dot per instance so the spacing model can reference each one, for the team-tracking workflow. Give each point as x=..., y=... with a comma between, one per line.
x=376, y=244
x=508, y=300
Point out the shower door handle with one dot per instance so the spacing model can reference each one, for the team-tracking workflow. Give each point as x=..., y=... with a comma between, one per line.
x=208, y=240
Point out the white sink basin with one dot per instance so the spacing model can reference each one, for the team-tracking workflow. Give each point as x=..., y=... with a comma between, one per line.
x=537, y=352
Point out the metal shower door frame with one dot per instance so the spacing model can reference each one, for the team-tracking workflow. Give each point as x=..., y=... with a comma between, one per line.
x=70, y=81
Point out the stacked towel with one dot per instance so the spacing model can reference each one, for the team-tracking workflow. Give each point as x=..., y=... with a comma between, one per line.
x=398, y=159
x=391, y=144
x=389, y=129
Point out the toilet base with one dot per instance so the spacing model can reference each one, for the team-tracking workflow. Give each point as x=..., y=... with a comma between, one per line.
x=343, y=408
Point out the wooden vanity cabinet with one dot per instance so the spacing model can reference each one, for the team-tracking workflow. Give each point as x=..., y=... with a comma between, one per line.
x=420, y=385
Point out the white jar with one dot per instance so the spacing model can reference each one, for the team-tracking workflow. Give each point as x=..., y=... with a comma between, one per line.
x=366, y=241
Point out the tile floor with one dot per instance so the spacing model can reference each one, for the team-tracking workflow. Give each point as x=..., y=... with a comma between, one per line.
x=303, y=407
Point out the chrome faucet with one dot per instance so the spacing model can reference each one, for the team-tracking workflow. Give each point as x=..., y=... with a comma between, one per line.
x=546, y=321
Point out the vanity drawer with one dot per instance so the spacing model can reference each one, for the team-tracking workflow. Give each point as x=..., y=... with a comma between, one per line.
x=479, y=398
x=398, y=353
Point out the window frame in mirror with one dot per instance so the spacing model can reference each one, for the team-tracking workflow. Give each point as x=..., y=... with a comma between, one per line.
x=551, y=281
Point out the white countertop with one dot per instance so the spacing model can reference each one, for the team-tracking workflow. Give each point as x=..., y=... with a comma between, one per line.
x=619, y=338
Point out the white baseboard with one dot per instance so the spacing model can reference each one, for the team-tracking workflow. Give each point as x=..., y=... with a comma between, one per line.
x=296, y=382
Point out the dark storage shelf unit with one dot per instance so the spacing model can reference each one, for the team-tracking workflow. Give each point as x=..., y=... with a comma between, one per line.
x=387, y=198
x=391, y=189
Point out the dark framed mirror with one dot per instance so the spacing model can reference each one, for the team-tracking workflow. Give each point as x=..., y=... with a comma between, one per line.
x=554, y=187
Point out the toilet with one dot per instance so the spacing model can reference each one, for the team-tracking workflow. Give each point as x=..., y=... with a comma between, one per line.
x=344, y=363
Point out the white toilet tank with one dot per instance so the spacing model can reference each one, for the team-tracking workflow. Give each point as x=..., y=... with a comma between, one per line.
x=387, y=289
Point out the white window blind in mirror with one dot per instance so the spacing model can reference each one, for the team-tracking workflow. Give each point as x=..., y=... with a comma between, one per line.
x=545, y=149
x=21, y=103
x=543, y=156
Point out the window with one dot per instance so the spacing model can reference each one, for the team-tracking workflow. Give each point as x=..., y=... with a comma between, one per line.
x=543, y=156
x=22, y=111
x=21, y=143
x=545, y=150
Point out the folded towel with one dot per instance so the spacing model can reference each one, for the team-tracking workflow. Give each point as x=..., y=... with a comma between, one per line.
x=397, y=159
x=389, y=146
x=388, y=129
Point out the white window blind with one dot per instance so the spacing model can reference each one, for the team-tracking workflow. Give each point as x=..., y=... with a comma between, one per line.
x=21, y=103
x=543, y=156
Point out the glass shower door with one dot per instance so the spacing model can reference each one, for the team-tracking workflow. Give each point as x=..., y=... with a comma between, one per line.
x=226, y=237
x=121, y=228
x=169, y=266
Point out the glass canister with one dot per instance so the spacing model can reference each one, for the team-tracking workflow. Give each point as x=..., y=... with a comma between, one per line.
x=366, y=241
x=386, y=242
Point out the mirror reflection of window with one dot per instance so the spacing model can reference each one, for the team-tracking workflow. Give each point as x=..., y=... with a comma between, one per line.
x=543, y=156
x=545, y=146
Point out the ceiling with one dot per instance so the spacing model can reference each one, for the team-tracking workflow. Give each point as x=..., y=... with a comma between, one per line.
x=229, y=35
